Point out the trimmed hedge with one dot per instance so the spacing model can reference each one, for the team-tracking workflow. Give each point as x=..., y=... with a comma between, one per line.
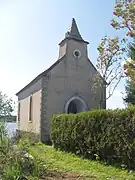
x=108, y=135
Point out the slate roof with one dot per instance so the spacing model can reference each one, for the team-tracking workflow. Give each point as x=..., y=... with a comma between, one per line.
x=73, y=33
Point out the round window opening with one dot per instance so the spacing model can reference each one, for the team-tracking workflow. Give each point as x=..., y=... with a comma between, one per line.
x=77, y=53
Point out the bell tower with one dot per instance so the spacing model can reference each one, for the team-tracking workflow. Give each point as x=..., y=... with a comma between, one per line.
x=72, y=34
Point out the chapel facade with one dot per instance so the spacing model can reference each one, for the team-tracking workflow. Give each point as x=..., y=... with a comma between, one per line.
x=66, y=87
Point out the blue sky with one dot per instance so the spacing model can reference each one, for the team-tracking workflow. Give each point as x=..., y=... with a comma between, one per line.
x=30, y=31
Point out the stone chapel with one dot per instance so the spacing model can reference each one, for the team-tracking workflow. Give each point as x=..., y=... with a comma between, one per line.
x=63, y=88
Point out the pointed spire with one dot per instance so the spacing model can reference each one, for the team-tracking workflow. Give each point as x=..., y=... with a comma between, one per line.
x=73, y=31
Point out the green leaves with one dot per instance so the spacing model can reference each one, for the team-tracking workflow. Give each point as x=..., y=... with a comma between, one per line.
x=106, y=135
x=130, y=83
x=124, y=12
x=6, y=105
x=129, y=65
x=115, y=24
x=100, y=48
x=110, y=55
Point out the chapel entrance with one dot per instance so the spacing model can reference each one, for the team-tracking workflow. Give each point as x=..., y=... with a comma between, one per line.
x=75, y=105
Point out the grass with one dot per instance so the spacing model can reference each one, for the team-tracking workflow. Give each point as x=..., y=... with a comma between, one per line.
x=69, y=163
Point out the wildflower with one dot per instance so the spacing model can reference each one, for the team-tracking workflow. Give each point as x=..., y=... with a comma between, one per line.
x=28, y=156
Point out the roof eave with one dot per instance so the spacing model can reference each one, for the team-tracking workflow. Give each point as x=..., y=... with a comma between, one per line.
x=29, y=84
x=71, y=38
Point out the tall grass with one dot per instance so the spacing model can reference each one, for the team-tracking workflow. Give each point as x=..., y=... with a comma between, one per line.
x=15, y=160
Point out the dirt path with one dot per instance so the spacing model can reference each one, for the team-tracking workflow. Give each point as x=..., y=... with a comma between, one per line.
x=61, y=176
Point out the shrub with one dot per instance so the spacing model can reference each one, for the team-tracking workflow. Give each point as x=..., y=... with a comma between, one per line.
x=15, y=160
x=108, y=135
x=21, y=164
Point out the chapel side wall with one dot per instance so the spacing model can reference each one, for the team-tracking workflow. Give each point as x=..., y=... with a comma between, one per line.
x=24, y=99
x=25, y=124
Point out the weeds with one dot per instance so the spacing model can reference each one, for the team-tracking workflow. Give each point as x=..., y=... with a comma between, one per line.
x=16, y=162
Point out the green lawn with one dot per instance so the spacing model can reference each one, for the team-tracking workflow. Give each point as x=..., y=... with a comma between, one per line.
x=64, y=162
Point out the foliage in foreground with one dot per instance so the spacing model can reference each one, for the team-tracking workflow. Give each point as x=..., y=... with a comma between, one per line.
x=32, y=160
x=6, y=105
x=58, y=161
x=15, y=160
x=108, y=135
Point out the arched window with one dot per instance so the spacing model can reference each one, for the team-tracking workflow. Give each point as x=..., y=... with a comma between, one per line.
x=19, y=107
x=31, y=109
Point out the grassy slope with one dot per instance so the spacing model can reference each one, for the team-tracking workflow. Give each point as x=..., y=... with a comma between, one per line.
x=64, y=162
